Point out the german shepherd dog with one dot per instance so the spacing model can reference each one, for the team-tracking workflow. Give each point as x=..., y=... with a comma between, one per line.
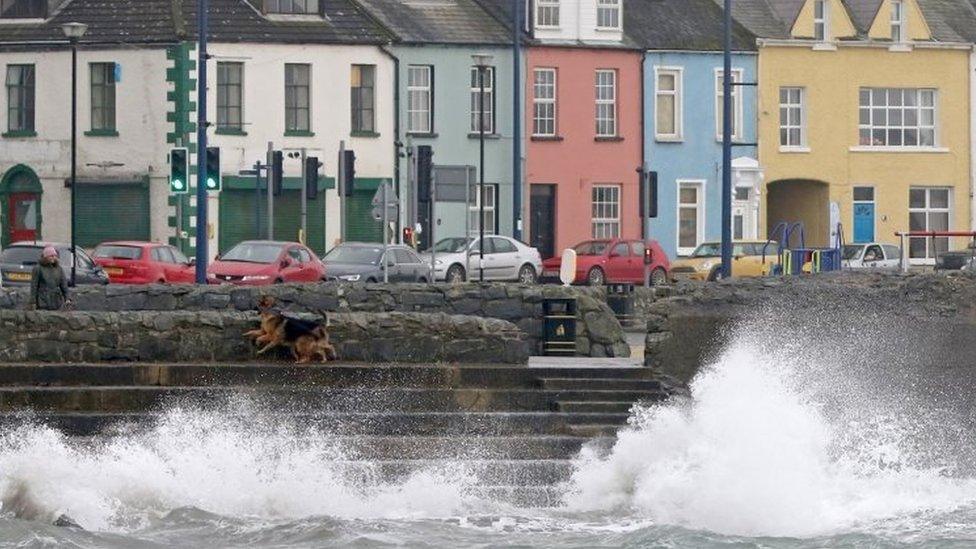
x=305, y=338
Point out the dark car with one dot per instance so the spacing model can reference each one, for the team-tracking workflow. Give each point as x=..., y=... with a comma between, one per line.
x=17, y=262
x=954, y=260
x=364, y=262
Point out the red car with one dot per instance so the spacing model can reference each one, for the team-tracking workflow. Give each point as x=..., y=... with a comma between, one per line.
x=601, y=262
x=262, y=262
x=132, y=262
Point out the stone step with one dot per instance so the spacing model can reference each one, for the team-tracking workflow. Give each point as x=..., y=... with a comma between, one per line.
x=277, y=374
x=488, y=472
x=141, y=398
x=594, y=406
x=471, y=424
x=599, y=384
x=521, y=496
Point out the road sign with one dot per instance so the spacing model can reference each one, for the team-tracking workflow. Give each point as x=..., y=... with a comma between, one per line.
x=392, y=203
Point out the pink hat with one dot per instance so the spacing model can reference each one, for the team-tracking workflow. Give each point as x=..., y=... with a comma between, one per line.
x=49, y=251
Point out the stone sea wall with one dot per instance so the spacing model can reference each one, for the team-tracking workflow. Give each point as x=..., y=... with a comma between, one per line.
x=192, y=336
x=598, y=332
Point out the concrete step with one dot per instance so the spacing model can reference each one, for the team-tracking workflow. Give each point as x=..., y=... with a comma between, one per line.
x=486, y=472
x=277, y=374
x=471, y=424
x=594, y=406
x=599, y=384
x=521, y=496
x=141, y=398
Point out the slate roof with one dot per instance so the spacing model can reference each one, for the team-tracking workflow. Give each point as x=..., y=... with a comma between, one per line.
x=148, y=22
x=438, y=21
x=681, y=25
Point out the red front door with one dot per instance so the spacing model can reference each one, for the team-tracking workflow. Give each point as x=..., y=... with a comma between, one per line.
x=24, y=215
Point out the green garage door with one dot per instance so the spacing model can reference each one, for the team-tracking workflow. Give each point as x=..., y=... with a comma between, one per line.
x=360, y=225
x=237, y=218
x=112, y=211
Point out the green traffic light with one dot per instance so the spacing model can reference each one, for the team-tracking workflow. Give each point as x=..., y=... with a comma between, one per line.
x=177, y=184
x=211, y=183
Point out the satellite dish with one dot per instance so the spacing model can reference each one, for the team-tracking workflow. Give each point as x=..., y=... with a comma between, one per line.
x=567, y=267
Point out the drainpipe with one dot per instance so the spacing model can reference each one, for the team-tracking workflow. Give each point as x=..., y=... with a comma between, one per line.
x=645, y=220
x=517, y=120
x=972, y=142
x=396, y=138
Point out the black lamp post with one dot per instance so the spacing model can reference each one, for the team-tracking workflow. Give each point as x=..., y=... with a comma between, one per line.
x=74, y=32
x=482, y=61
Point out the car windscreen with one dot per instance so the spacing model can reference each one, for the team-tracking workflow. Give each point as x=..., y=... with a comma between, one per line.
x=851, y=252
x=452, y=245
x=118, y=252
x=21, y=255
x=253, y=252
x=593, y=247
x=709, y=249
x=356, y=255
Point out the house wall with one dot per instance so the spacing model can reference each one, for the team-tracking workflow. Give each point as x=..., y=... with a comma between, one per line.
x=577, y=160
x=832, y=81
x=697, y=155
x=577, y=21
x=452, y=141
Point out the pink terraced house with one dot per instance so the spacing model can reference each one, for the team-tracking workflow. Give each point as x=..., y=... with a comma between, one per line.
x=583, y=116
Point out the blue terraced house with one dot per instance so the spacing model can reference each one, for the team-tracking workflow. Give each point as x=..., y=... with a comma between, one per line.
x=682, y=99
x=438, y=98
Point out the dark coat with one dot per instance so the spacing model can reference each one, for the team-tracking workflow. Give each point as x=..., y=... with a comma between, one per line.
x=49, y=286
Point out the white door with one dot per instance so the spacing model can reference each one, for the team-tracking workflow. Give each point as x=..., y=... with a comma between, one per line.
x=745, y=224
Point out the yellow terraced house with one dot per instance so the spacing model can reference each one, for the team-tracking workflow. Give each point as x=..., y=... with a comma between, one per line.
x=865, y=117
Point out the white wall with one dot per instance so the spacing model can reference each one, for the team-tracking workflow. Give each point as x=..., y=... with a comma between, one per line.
x=577, y=22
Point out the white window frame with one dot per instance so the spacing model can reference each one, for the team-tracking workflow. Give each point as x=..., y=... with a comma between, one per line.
x=737, y=107
x=491, y=209
x=868, y=136
x=821, y=25
x=929, y=258
x=612, y=9
x=489, y=100
x=543, y=102
x=899, y=23
x=226, y=107
x=787, y=108
x=420, y=89
x=547, y=14
x=610, y=121
x=699, y=186
x=605, y=210
x=679, y=74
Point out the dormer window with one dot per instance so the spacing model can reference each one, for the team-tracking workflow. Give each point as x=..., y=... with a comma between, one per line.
x=897, y=21
x=292, y=7
x=23, y=9
x=547, y=13
x=608, y=14
x=821, y=20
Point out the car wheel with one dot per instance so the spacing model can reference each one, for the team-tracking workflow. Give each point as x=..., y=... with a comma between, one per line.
x=659, y=277
x=279, y=281
x=455, y=275
x=527, y=275
x=370, y=281
x=716, y=274
x=422, y=280
x=596, y=277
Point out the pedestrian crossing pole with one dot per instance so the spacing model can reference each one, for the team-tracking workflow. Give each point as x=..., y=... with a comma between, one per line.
x=727, y=145
x=202, y=57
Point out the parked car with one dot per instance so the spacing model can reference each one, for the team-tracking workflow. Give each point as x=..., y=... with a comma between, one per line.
x=872, y=256
x=262, y=262
x=133, y=262
x=355, y=261
x=749, y=259
x=601, y=262
x=956, y=260
x=17, y=262
x=457, y=260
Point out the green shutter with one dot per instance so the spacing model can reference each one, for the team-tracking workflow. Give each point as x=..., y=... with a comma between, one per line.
x=360, y=225
x=111, y=211
x=237, y=218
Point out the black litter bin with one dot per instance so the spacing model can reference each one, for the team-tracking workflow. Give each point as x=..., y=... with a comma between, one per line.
x=559, y=327
x=620, y=298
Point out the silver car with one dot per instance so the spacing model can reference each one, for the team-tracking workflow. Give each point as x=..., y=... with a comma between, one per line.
x=458, y=260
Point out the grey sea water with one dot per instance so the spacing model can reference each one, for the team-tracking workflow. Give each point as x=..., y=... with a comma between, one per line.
x=833, y=437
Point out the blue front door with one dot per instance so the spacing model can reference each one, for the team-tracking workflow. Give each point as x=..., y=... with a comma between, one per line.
x=863, y=223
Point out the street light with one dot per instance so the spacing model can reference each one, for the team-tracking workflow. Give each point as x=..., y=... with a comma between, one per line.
x=482, y=61
x=74, y=32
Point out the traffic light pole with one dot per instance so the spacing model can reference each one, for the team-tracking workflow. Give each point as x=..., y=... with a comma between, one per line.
x=341, y=187
x=304, y=198
x=386, y=239
x=726, y=268
x=270, y=191
x=201, y=242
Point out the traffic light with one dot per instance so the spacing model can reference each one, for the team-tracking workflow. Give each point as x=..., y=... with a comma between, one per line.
x=311, y=177
x=408, y=237
x=648, y=183
x=179, y=170
x=425, y=168
x=277, y=171
x=349, y=172
x=213, y=169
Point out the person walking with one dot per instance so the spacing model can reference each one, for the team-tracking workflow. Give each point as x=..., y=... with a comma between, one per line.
x=49, y=285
